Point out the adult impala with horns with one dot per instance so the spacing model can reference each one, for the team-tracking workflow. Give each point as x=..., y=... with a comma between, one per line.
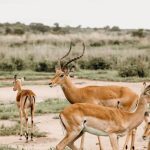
x=101, y=95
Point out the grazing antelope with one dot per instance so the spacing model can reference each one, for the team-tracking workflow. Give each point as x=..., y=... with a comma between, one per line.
x=25, y=99
x=100, y=95
x=97, y=120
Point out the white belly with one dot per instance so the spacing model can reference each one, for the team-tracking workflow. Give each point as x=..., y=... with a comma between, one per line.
x=95, y=131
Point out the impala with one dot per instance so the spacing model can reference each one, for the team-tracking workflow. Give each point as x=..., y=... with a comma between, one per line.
x=96, y=119
x=25, y=99
x=100, y=95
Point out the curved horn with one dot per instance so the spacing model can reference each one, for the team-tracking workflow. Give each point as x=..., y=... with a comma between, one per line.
x=76, y=58
x=65, y=55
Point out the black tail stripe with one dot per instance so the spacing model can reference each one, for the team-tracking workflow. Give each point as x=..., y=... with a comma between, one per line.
x=25, y=101
x=34, y=98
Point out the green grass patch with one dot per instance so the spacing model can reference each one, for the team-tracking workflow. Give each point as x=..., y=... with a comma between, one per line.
x=6, y=147
x=51, y=106
x=32, y=77
x=107, y=75
x=15, y=130
x=28, y=74
x=10, y=111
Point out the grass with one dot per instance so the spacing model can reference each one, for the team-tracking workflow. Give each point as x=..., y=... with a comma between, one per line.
x=10, y=111
x=107, y=75
x=6, y=147
x=15, y=130
x=51, y=106
x=32, y=77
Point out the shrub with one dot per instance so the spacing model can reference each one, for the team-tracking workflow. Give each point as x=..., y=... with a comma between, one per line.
x=99, y=63
x=7, y=66
x=19, y=63
x=39, y=27
x=41, y=66
x=138, y=33
x=45, y=66
x=115, y=28
x=95, y=63
x=19, y=31
x=131, y=68
x=8, y=30
x=96, y=44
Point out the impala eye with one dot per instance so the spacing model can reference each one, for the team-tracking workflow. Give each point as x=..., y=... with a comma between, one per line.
x=62, y=75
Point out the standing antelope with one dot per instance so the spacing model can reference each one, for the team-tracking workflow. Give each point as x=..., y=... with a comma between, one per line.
x=101, y=95
x=25, y=99
x=96, y=119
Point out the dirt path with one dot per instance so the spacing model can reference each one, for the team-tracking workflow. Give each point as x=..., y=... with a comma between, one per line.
x=44, y=91
x=52, y=126
x=55, y=133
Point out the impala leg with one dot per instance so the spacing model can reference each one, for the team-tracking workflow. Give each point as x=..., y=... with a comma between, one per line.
x=67, y=140
x=71, y=145
x=26, y=120
x=21, y=123
x=133, y=139
x=125, y=147
x=99, y=143
x=113, y=141
x=148, y=145
x=82, y=142
x=32, y=122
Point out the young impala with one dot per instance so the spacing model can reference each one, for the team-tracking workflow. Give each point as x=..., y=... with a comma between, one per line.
x=25, y=99
x=96, y=119
x=100, y=95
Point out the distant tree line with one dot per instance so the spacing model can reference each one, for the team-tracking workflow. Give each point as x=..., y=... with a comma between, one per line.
x=20, y=29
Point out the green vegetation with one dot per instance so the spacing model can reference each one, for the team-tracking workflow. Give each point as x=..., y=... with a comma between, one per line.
x=51, y=106
x=35, y=48
x=15, y=130
x=5, y=147
x=10, y=111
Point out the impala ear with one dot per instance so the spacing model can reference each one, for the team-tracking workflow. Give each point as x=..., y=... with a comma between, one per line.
x=143, y=88
x=66, y=71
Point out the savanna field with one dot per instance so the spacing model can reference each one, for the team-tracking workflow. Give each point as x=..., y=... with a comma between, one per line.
x=112, y=56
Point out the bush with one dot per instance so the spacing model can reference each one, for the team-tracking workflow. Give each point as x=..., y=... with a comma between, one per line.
x=19, y=63
x=41, y=66
x=139, y=33
x=95, y=63
x=39, y=27
x=115, y=28
x=19, y=31
x=132, y=68
x=7, y=66
x=45, y=66
x=97, y=44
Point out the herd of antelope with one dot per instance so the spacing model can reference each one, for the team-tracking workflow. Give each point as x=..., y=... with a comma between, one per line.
x=112, y=111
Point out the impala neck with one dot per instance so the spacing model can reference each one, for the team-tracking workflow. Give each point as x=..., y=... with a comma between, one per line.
x=19, y=88
x=69, y=90
x=138, y=115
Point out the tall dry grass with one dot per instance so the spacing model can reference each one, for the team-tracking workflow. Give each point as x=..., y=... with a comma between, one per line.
x=113, y=47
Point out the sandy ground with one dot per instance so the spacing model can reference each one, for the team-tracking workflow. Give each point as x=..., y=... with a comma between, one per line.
x=44, y=91
x=53, y=127
x=55, y=133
